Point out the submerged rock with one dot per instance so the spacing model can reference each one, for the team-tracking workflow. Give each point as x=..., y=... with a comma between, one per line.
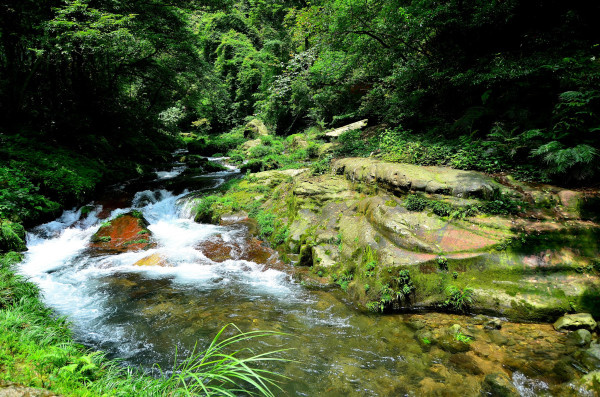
x=153, y=260
x=575, y=321
x=591, y=357
x=499, y=385
x=126, y=232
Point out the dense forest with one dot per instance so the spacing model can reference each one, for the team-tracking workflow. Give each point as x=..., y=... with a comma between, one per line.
x=493, y=86
x=99, y=92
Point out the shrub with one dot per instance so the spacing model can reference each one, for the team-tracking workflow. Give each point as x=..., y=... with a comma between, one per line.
x=415, y=203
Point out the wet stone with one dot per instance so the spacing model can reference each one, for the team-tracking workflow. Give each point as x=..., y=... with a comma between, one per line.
x=480, y=319
x=466, y=363
x=450, y=344
x=575, y=321
x=493, y=324
x=581, y=337
x=591, y=357
x=499, y=385
x=416, y=325
x=499, y=339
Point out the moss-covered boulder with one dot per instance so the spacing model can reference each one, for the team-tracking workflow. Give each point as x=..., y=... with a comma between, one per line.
x=575, y=321
x=402, y=178
x=255, y=129
x=12, y=236
x=126, y=232
x=358, y=228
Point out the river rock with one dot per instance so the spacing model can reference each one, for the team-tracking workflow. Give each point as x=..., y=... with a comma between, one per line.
x=450, y=344
x=499, y=385
x=589, y=379
x=467, y=363
x=153, y=260
x=591, y=357
x=581, y=337
x=126, y=232
x=255, y=129
x=494, y=323
x=575, y=321
x=498, y=338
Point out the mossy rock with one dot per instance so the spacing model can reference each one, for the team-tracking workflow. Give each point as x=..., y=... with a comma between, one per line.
x=12, y=236
x=255, y=129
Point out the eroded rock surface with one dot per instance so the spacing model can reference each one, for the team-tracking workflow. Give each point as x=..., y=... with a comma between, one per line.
x=402, y=178
x=354, y=228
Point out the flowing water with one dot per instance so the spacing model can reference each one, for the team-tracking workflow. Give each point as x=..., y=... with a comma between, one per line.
x=142, y=314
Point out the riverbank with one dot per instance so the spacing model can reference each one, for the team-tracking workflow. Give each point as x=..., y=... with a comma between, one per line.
x=399, y=236
x=344, y=226
x=39, y=354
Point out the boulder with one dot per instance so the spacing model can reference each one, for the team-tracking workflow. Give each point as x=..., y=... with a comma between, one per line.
x=126, y=232
x=581, y=337
x=499, y=385
x=575, y=321
x=250, y=249
x=153, y=260
x=255, y=129
x=403, y=178
x=246, y=146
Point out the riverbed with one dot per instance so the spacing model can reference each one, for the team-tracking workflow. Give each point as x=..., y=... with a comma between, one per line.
x=142, y=315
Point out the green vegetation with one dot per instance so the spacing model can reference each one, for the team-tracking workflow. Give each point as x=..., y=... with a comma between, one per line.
x=501, y=205
x=37, y=350
x=458, y=299
x=459, y=336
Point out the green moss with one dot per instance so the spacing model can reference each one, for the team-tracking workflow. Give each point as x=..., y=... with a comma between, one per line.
x=140, y=241
x=12, y=236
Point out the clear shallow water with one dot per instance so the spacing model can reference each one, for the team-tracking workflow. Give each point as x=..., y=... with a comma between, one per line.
x=141, y=314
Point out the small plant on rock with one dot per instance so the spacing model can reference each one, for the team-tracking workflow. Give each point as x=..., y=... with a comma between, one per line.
x=459, y=299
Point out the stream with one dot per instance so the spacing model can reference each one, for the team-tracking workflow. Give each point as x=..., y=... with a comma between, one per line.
x=142, y=314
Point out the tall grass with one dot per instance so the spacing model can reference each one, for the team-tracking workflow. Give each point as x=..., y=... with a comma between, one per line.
x=211, y=372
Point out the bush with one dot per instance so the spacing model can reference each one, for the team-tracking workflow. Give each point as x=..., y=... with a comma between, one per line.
x=415, y=203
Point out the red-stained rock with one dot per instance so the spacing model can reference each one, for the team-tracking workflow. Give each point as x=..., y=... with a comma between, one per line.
x=249, y=249
x=124, y=233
